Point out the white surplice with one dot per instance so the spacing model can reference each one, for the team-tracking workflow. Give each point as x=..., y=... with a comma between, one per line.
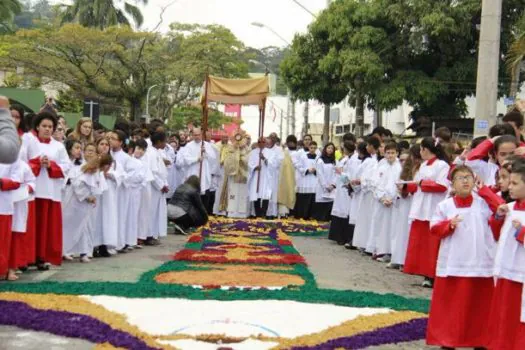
x=158, y=214
x=326, y=177
x=21, y=196
x=386, y=176
x=400, y=226
x=364, y=211
x=78, y=216
x=107, y=219
x=342, y=200
x=277, y=156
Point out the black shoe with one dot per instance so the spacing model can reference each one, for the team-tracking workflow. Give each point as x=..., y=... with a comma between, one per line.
x=150, y=241
x=103, y=252
x=42, y=267
x=23, y=268
x=96, y=253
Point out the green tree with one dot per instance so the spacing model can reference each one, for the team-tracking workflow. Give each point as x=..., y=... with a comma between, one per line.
x=269, y=58
x=13, y=80
x=103, y=13
x=184, y=115
x=191, y=51
x=69, y=102
x=8, y=10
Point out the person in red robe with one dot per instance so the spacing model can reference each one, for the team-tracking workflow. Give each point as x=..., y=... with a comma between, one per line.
x=463, y=287
x=507, y=314
x=49, y=162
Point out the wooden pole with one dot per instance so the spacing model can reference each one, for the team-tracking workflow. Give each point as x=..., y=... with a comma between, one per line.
x=204, y=126
x=262, y=113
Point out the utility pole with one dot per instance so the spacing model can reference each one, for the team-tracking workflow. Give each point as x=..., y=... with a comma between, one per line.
x=488, y=66
x=281, y=126
x=288, y=116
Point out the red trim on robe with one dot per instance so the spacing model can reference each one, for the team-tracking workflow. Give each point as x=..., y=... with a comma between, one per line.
x=519, y=205
x=463, y=202
x=54, y=171
x=491, y=198
x=35, y=166
x=44, y=140
x=452, y=167
x=431, y=186
x=521, y=235
x=8, y=184
x=442, y=229
x=495, y=225
x=411, y=188
x=481, y=151
x=431, y=161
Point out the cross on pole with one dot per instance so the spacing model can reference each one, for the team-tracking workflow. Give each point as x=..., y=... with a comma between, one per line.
x=91, y=103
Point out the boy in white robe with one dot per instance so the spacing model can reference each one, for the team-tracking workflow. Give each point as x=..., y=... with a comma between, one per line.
x=387, y=174
x=159, y=212
x=277, y=156
x=260, y=174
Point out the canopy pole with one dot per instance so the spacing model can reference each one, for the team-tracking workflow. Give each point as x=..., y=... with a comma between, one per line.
x=204, y=126
x=262, y=113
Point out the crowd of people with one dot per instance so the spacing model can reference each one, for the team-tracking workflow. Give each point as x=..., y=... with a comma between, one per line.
x=453, y=214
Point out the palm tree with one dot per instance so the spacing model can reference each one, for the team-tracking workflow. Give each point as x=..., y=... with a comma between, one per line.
x=103, y=13
x=8, y=10
x=516, y=55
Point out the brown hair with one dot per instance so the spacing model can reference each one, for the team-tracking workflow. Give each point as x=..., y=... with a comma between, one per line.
x=97, y=163
x=461, y=169
x=77, y=135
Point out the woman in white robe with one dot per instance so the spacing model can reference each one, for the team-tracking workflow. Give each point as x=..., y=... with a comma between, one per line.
x=326, y=183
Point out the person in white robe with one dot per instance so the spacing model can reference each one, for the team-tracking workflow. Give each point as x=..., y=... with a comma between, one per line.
x=106, y=229
x=277, y=156
x=261, y=164
x=356, y=194
x=197, y=158
x=159, y=212
x=306, y=182
x=79, y=215
x=385, y=192
x=326, y=183
x=149, y=160
x=339, y=224
x=364, y=214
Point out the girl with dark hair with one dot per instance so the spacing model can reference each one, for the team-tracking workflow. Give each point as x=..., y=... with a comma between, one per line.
x=354, y=189
x=364, y=214
x=430, y=187
x=410, y=162
x=74, y=151
x=17, y=113
x=49, y=162
x=325, y=189
x=339, y=224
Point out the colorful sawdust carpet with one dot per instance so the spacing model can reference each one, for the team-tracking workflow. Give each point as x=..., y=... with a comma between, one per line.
x=237, y=284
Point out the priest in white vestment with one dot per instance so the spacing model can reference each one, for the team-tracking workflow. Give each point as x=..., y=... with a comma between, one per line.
x=261, y=164
x=192, y=156
x=277, y=155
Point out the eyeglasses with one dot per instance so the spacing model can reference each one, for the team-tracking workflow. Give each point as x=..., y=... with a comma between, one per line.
x=464, y=178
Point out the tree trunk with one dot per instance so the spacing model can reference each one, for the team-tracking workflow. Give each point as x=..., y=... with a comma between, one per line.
x=305, y=121
x=359, y=114
x=326, y=125
x=135, y=112
x=515, y=82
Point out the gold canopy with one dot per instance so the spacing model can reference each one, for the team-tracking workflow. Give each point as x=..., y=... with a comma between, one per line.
x=236, y=91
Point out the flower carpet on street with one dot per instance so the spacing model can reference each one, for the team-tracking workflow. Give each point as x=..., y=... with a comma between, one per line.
x=237, y=284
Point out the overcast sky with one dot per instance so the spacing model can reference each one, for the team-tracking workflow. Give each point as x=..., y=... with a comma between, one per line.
x=283, y=16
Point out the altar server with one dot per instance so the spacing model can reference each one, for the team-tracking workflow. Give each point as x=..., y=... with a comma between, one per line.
x=429, y=188
x=23, y=238
x=106, y=229
x=10, y=179
x=306, y=182
x=463, y=287
x=339, y=224
x=367, y=185
x=385, y=192
x=49, y=162
x=261, y=168
x=507, y=315
x=400, y=223
x=158, y=211
x=277, y=155
x=326, y=183
x=80, y=208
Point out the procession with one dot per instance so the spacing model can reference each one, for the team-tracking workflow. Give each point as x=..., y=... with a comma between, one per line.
x=303, y=174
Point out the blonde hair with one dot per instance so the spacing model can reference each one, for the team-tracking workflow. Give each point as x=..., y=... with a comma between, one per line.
x=97, y=163
x=77, y=135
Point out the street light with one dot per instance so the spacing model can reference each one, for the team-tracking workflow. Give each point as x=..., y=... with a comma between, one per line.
x=261, y=25
x=147, y=96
